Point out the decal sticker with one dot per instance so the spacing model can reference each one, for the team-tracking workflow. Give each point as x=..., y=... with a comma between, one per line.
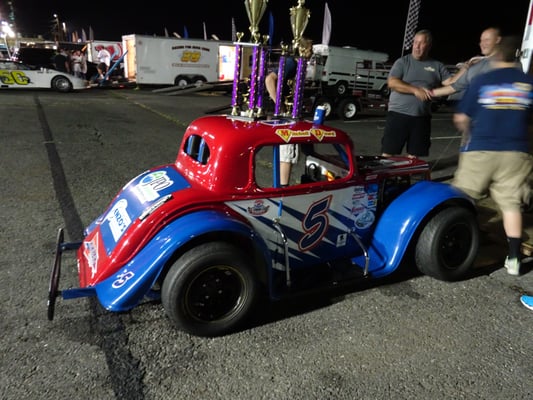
x=287, y=134
x=365, y=219
x=13, y=77
x=258, y=208
x=315, y=224
x=122, y=278
x=90, y=253
x=150, y=185
x=118, y=218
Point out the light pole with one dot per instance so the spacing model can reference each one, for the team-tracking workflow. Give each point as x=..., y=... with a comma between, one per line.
x=58, y=29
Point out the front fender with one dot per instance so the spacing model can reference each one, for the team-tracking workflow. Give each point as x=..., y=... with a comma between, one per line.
x=126, y=288
x=401, y=219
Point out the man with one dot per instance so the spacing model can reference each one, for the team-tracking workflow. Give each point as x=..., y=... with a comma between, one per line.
x=488, y=42
x=411, y=77
x=493, y=117
x=61, y=61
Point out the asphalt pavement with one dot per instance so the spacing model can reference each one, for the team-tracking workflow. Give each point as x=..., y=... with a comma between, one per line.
x=62, y=159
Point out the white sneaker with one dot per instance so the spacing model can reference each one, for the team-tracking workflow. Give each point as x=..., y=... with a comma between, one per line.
x=513, y=266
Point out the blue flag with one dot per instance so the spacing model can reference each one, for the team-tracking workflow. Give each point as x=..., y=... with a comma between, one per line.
x=270, y=28
x=185, y=32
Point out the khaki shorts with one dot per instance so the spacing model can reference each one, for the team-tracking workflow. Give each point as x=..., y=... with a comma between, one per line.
x=504, y=175
x=288, y=153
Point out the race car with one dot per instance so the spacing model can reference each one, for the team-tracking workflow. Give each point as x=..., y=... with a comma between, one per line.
x=16, y=75
x=214, y=231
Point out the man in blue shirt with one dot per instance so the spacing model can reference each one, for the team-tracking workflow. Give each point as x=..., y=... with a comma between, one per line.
x=493, y=117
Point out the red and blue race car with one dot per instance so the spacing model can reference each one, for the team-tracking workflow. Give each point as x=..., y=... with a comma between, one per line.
x=212, y=232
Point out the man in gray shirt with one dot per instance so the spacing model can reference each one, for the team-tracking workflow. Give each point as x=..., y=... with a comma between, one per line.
x=410, y=79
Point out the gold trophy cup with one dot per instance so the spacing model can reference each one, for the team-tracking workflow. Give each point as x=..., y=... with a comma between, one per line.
x=255, y=10
x=299, y=19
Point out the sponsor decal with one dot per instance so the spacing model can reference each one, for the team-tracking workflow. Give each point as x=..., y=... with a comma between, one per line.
x=118, y=218
x=150, y=185
x=122, y=278
x=288, y=134
x=90, y=252
x=258, y=208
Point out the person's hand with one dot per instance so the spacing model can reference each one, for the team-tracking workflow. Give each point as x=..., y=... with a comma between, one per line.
x=422, y=94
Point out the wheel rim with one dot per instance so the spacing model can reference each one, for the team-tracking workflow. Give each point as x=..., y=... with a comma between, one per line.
x=216, y=293
x=455, y=246
x=350, y=110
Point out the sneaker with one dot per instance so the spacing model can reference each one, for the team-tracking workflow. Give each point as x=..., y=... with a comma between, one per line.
x=527, y=301
x=512, y=265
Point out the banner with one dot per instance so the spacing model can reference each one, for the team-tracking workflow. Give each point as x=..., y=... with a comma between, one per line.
x=233, y=30
x=411, y=24
x=326, y=28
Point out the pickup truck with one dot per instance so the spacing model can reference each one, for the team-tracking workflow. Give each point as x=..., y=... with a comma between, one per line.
x=212, y=233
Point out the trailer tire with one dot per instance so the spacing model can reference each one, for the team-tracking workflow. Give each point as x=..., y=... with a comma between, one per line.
x=182, y=81
x=348, y=109
x=341, y=88
x=199, y=80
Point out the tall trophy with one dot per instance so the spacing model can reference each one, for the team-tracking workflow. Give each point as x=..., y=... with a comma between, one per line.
x=299, y=19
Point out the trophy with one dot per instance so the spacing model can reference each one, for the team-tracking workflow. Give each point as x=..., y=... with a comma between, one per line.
x=255, y=10
x=299, y=19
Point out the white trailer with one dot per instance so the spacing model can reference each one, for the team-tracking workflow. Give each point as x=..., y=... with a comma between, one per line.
x=340, y=70
x=153, y=60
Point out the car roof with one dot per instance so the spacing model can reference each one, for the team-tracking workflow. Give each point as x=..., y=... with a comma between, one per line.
x=232, y=142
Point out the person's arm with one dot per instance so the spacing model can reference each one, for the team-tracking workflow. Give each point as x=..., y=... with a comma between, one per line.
x=400, y=86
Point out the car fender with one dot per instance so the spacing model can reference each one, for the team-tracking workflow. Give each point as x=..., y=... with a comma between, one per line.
x=401, y=219
x=126, y=288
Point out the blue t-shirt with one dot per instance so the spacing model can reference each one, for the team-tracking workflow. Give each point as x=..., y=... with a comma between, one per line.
x=499, y=105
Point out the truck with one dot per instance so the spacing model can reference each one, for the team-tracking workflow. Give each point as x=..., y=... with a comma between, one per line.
x=344, y=80
x=339, y=70
x=153, y=60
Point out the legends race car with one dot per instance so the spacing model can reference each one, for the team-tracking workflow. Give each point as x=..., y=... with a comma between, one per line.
x=16, y=75
x=212, y=232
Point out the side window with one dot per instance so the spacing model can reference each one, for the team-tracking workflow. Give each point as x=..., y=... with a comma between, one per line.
x=316, y=163
x=196, y=148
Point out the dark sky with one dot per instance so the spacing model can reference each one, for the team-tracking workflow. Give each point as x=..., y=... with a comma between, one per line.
x=370, y=24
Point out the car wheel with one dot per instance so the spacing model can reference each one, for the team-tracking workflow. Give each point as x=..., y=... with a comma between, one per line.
x=182, y=81
x=347, y=109
x=448, y=244
x=326, y=103
x=210, y=290
x=61, y=84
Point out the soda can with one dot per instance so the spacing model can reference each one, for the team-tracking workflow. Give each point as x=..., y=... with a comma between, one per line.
x=320, y=112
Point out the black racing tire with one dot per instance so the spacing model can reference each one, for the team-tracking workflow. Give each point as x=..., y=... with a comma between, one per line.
x=182, y=81
x=61, y=84
x=327, y=104
x=210, y=290
x=448, y=244
x=348, y=109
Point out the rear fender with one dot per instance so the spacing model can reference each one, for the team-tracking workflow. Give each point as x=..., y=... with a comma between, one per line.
x=127, y=287
x=400, y=221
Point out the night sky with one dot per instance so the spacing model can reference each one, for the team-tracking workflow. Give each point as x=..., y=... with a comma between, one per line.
x=373, y=25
